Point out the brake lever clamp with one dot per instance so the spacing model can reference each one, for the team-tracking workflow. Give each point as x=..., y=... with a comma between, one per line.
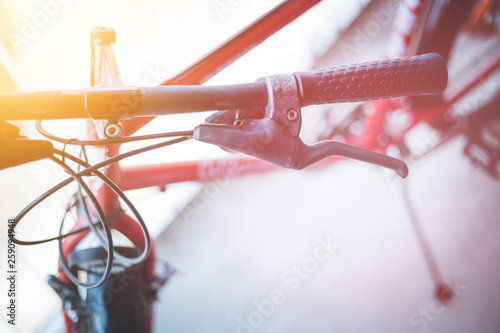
x=283, y=104
x=275, y=138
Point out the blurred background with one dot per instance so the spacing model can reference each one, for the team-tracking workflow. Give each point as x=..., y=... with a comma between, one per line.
x=249, y=261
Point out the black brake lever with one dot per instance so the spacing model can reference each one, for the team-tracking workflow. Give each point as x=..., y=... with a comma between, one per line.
x=268, y=140
x=16, y=149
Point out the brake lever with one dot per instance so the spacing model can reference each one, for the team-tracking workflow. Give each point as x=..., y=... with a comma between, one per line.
x=270, y=141
x=17, y=149
x=275, y=137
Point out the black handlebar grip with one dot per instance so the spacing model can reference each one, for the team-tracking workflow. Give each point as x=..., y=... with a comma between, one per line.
x=419, y=75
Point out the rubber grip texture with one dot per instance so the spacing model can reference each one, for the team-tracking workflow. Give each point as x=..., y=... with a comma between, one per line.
x=419, y=75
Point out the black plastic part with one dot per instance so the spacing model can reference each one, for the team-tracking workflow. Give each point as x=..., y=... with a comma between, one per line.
x=263, y=138
x=17, y=150
x=312, y=154
x=20, y=151
x=267, y=140
x=425, y=74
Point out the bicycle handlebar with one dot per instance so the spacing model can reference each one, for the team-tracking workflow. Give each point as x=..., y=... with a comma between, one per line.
x=424, y=74
x=124, y=102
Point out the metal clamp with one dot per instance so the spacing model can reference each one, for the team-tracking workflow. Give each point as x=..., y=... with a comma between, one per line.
x=283, y=102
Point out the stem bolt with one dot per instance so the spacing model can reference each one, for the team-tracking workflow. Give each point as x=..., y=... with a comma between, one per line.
x=113, y=130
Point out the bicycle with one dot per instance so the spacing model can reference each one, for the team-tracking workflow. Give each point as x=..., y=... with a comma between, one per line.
x=260, y=129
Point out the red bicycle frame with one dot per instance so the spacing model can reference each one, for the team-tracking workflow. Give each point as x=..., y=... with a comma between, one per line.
x=161, y=175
